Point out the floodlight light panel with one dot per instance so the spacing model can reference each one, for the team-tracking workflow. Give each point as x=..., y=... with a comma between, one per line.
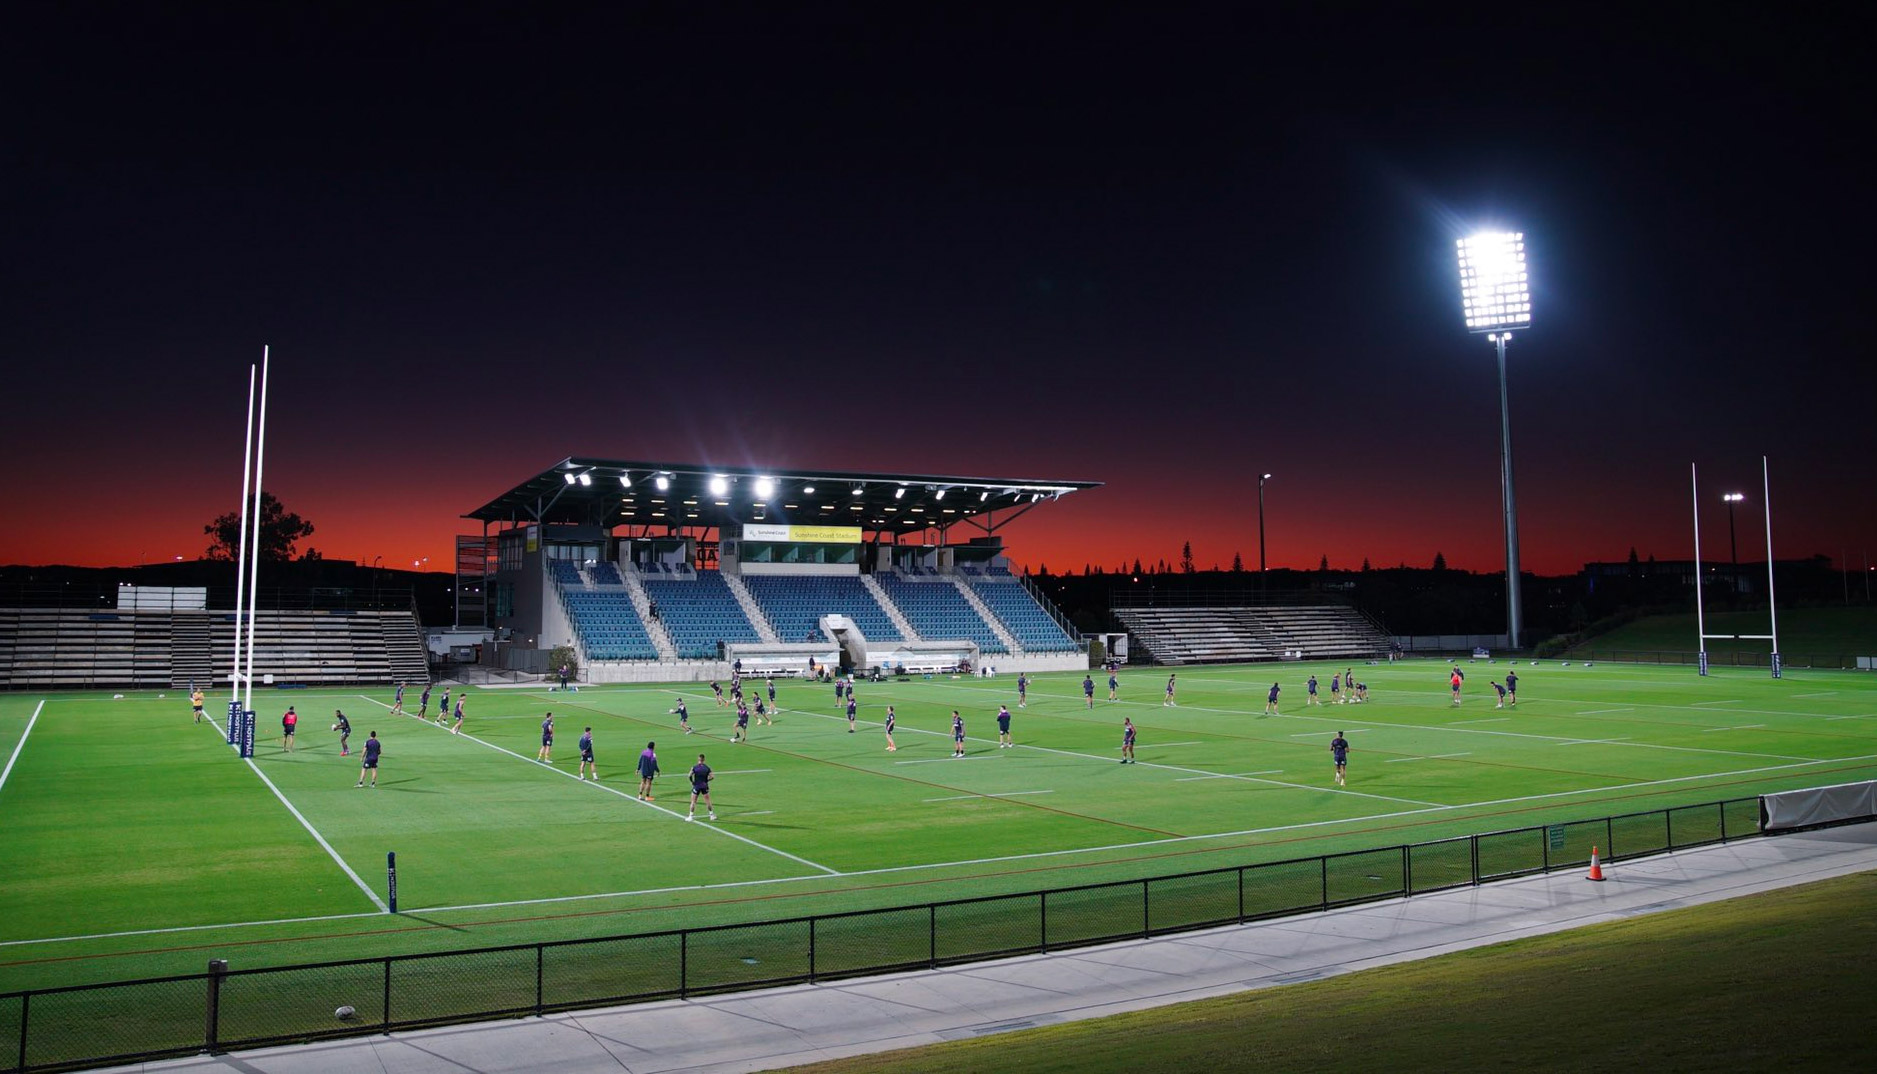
x=1495, y=289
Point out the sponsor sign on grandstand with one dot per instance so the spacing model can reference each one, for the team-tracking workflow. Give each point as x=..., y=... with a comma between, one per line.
x=754, y=531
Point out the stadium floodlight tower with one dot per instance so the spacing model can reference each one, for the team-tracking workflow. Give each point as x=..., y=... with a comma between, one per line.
x=1498, y=302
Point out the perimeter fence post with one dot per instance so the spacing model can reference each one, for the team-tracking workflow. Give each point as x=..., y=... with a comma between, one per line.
x=684, y=963
x=1475, y=842
x=26, y=1006
x=1146, y=923
x=539, y=955
x=1042, y=924
x=1407, y=871
x=1668, y=828
x=210, y=1036
x=387, y=997
x=1722, y=806
x=1544, y=845
x=1609, y=836
x=1241, y=894
x=932, y=927
x=811, y=950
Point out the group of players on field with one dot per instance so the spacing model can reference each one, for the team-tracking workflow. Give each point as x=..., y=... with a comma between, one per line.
x=1344, y=689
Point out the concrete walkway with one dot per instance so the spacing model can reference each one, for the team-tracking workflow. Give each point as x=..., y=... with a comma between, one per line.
x=779, y=1027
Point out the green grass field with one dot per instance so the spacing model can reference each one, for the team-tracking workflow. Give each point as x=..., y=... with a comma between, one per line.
x=135, y=843
x=1806, y=635
x=1706, y=988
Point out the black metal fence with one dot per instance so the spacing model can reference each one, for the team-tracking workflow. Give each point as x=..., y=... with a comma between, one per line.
x=126, y=1021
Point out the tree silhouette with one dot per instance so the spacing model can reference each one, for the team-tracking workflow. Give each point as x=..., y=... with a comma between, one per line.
x=280, y=531
x=1238, y=563
x=1186, y=558
x=1440, y=562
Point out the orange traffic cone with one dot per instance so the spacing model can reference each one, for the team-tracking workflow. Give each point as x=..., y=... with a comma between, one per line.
x=1596, y=869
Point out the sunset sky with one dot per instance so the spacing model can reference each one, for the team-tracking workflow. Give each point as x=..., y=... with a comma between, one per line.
x=1167, y=249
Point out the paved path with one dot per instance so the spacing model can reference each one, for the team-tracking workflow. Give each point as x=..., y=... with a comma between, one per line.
x=779, y=1027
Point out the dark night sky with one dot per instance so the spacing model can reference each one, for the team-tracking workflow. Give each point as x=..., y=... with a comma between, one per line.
x=1166, y=249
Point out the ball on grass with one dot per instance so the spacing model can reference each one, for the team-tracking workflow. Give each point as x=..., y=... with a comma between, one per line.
x=344, y=1014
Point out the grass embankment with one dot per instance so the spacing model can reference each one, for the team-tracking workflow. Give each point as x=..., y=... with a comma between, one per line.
x=1779, y=981
x=1805, y=634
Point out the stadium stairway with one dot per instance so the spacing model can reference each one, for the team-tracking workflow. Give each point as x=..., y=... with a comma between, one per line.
x=1002, y=632
x=189, y=661
x=764, y=628
x=891, y=609
x=661, y=638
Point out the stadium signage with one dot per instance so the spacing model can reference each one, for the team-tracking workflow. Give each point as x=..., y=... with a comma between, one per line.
x=807, y=534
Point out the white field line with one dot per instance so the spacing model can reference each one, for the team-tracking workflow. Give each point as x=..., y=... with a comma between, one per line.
x=1600, y=712
x=1591, y=741
x=1495, y=719
x=1563, y=739
x=935, y=760
x=1320, y=734
x=757, y=813
x=1742, y=727
x=1847, y=717
x=1229, y=775
x=21, y=744
x=1000, y=794
x=633, y=798
x=1166, y=745
x=1827, y=693
x=744, y=772
x=770, y=881
x=1429, y=757
x=1729, y=701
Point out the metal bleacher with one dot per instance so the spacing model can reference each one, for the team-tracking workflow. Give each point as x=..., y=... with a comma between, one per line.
x=700, y=613
x=938, y=611
x=796, y=604
x=1033, y=627
x=1265, y=632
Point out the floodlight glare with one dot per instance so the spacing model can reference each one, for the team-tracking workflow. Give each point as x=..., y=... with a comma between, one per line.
x=662, y=482
x=985, y=495
x=808, y=490
x=1494, y=289
x=899, y=493
x=1734, y=497
x=569, y=478
x=625, y=480
x=939, y=495
x=764, y=487
x=586, y=479
x=858, y=490
x=719, y=485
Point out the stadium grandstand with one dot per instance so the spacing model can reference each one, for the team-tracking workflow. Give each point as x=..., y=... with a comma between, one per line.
x=1297, y=626
x=657, y=572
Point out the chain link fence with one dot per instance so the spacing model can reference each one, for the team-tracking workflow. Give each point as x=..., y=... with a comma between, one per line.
x=90, y=1025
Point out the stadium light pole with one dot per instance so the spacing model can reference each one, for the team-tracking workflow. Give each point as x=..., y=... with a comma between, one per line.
x=1497, y=301
x=1262, y=478
x=1733, y=581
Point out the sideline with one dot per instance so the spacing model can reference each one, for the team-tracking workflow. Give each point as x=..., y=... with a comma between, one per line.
x=21, y=745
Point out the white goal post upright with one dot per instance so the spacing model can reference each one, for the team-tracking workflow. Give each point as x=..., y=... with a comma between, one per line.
x=1701, y=630
x=241, y=554
x=254, y=560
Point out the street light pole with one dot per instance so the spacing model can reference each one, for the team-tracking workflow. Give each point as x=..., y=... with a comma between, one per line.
x=1261, y=480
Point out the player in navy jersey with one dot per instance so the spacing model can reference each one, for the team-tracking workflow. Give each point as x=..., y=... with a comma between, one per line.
x=684, y=715
x=762, y=712
x=1003, y=727
x=1512, y=688
x=1023, y=690
x=1127, y=741
x=1336, y=689
x=457, y=727
x=852, y=707
x=958, y=734
x=891, y=721
x=397, y=701
x=1270, y=701
x=741, y=734
x=373, y=748
x=1500, y=688
x=344, y=727
x=700, y=788
x=443, y=707
x=1362, y=691
x=1088, y=690
x=546, y=753
x=840, y=688
x=423, y=704
x=586, y=756
x=1172, y=685
x=648, y=771
x=1114, y=687
x=1310, y=692
x=772, y=693
x=716, y=689
x=1339, y=752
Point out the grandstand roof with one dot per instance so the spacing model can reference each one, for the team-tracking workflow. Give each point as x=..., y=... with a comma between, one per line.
x=588, y=491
